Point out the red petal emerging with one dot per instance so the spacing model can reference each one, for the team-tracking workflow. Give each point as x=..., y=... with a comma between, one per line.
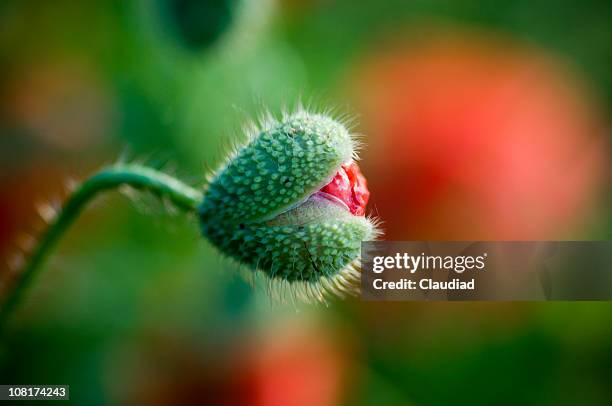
x=351, y=187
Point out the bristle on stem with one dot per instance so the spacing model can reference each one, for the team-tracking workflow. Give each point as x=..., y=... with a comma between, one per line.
x=59, y=217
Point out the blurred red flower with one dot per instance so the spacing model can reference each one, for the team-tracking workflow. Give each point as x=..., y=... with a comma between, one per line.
x=477, y=139
x=286, y=364
x=295, y=365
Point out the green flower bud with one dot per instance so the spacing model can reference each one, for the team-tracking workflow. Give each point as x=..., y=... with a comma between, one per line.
x=199, y=23
x=263, y=208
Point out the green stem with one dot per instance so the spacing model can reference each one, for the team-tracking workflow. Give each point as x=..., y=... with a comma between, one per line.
x=139, y=177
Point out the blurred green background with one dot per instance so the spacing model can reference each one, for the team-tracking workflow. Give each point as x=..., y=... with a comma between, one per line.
x=481, y=119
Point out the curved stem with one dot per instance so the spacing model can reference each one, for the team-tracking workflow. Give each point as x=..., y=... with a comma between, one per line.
x=183, y=196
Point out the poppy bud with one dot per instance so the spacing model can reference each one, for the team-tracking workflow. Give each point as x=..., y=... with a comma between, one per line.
x=290, y=203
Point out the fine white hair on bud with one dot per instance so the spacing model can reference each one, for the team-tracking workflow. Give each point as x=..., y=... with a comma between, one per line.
x=290, y=204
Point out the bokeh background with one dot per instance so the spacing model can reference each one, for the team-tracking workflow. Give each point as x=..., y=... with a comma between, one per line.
x=483, y=120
